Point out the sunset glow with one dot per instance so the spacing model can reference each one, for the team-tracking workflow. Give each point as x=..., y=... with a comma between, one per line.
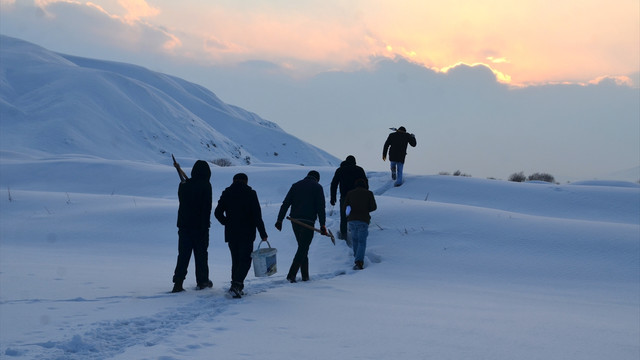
x=523, y=42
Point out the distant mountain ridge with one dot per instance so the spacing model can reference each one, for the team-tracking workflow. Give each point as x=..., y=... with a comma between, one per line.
x=52, y=103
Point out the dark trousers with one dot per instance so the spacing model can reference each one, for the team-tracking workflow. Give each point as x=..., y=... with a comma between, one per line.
x=344, y=230
x=194, y=241
x=301, y=258
x=343, y=217
x=240, y=261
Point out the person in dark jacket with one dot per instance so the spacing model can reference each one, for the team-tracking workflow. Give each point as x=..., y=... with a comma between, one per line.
x=239, y=211
x=397, y=145
x=359, y=203
x=194, y=213
x=345, y=176
x=306, y=199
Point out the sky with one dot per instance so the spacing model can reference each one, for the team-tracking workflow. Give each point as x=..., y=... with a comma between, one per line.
x=323, y=69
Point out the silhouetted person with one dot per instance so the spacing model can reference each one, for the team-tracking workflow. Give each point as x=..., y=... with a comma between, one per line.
x=194, y=215
x=306, y=199
x=397, y=145
x=239, y=211
x=345, y=176
x=359, y=203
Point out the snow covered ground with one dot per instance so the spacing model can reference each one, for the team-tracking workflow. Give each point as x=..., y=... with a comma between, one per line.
x=457, y=268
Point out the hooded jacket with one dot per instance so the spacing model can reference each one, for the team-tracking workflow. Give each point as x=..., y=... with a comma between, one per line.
x=346, y=175
x=195, y=197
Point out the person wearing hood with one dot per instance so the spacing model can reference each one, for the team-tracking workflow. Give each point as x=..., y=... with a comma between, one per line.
x=397, y=145
x=194, y=213
x=239, y=211
x=306, y=199
x=345, y=176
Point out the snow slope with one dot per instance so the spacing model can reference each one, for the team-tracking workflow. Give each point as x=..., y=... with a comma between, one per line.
x=60, y=104
x=457, y=268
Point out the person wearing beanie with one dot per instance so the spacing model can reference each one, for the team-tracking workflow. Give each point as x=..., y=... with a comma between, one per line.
x=345, y=176
x=194, y=213
x=359, y=203
x=396, y=144
x=239, y=211
x=306, y=200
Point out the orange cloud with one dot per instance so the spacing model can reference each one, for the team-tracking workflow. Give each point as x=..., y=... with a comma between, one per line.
x=521, y=41
x=137, y=9
x=497, y=60
x=500, y=77
x=618, y=80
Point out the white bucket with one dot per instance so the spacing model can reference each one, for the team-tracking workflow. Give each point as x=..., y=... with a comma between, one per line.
x=264, y=261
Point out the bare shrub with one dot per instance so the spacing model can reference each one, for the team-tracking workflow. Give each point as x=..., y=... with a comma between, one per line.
x=517, y=177
x=222, y=162
x=460, y=173
x=541, y=177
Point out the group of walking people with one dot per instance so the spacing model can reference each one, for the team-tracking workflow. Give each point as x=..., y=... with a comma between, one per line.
x=238, y=210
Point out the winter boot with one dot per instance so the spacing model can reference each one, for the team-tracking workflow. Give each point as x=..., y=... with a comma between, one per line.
x=177, y=287
x=359, y=265
x=304, y=270
x=293, y=271
x=236, y=290
x=205, y=285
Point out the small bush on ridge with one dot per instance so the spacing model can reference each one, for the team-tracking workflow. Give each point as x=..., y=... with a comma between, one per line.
x=222, y=162
x=518, y=177
x=542, y=177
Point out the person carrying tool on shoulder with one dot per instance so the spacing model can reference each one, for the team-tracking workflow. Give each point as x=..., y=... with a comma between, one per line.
x=396, y=144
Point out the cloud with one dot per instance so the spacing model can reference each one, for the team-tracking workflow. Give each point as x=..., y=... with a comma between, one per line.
x=464, y=118
x=103, y=34
x=497, y=60
x=127, y=10
x=617, y=80
x=137, y=10
x=462, y=67
x=321, y=35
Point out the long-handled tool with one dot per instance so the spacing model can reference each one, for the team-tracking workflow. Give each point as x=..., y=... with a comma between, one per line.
x=183, y=176
x=301, y=223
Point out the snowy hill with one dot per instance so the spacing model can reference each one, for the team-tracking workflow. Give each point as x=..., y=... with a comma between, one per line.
x=58, y=104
